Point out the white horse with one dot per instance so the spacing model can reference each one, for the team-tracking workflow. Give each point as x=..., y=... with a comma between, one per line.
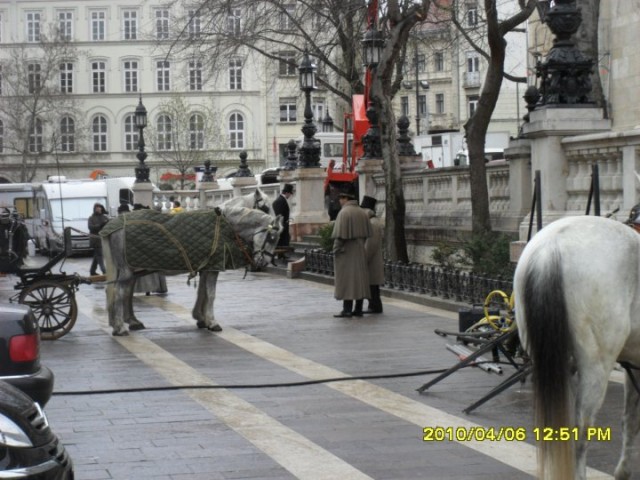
x=259, y=230
x=577, y=296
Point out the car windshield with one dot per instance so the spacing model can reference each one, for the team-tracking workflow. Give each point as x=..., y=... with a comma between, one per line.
x=70, y=209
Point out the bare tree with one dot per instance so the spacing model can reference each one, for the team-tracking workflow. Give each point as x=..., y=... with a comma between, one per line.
x=493, y=34
x=39, y=115
x=186, y=135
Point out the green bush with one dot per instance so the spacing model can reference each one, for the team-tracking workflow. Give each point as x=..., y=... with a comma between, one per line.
x=326, y=242
x=483, y=254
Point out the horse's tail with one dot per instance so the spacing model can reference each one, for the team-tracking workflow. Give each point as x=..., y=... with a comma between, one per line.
x=548, y=341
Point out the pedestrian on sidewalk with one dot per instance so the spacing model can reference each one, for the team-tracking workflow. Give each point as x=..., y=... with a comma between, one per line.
x=96, y=221
x=281, y=207
x=351, y=229
x=375, y=261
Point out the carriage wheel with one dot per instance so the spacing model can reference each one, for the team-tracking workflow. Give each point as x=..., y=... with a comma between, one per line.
x=54, y=306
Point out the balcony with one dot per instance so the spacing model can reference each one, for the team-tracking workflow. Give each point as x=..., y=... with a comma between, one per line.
x=471, y=80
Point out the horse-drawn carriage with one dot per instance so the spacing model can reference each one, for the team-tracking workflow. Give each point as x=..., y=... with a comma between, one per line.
x=241, y=233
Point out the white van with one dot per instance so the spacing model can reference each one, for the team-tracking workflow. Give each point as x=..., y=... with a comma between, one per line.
x=18, y=196
x=331, y=147
x=61, y=202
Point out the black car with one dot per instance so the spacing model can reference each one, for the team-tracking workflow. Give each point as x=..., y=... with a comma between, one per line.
x=20, y=353
x=28, y=447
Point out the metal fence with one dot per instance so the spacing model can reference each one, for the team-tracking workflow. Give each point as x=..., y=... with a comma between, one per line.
x=430, y=280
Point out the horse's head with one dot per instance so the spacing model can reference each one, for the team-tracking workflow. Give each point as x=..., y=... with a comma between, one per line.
x=265, y=241
x=261, y=201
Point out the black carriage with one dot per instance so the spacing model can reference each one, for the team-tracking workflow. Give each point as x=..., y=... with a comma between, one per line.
x=50, y=295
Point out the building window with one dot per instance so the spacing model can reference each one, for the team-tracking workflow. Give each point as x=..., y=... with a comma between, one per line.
x=473, y=62
x=162, y=24
x=195, y=75
x=472, y=101
x=130, y=133
x=235, y=74
x=130, y=70
x=236, y=131
x=163, y=76
x=439, y=102
x=67, y=134
x=317, y=105
x=66, y=77
x=35, y=137
x=65, y=25
x=164, y=132
x=98, y=19
x=286, y=17
x=438, y=61
x=1, y=137
x=194, y=24
x=288, y=109
x=404, y=106
x=472, y=16
x=234, y=22
x=99, y=134
x=129, y=25
x=287, y=64
x=422, y=105
x=33, y=26
x=196, y=132
x=98, y=77
x=421, y=63
x=34, y=77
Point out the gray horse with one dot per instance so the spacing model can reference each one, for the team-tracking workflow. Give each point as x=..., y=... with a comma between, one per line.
x=202, y=242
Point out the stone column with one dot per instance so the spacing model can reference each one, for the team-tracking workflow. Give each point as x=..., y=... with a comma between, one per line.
x=143, y=193
x=367, y=168
x=308, y=211
x=546, y=129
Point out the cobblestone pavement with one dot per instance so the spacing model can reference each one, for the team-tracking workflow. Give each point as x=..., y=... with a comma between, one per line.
x=280, y=331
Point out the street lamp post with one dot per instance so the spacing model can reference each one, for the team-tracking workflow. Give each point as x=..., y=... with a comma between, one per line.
x=142, y=171
x=372, y=45
x=417, y=85
x=310, y=149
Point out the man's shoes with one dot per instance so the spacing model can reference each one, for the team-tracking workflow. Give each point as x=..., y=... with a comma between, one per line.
x=92, y=274
x=343, y=314
x=372, y=311
x=357, y=314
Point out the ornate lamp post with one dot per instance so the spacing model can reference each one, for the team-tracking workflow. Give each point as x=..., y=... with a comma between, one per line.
x=310, y=149
x=372, y=45
x=142, y=171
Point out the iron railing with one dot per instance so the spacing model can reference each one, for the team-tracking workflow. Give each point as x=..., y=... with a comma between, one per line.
x=430, y=280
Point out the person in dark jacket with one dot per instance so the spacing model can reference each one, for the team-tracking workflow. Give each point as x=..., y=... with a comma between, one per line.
x=97, y=220
x=281, y=207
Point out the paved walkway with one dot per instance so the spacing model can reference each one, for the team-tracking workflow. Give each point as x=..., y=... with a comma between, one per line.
x=279, y=331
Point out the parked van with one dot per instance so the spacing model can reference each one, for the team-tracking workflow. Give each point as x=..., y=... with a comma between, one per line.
x=18, y=196
x=60, y=202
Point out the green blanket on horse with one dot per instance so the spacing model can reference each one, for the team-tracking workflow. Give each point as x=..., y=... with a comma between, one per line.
x=183, y=242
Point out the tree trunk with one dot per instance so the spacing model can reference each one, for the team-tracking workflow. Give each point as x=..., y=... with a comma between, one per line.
x=395, y=241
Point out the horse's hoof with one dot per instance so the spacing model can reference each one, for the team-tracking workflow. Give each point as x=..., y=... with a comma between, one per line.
x=201, y=324
x=120, y=333
x=137, y=326
x=215, y=328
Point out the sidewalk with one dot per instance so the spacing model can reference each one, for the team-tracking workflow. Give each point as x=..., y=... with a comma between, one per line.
x=279, y=331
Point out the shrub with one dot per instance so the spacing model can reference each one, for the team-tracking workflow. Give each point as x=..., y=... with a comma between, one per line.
x=326, y=242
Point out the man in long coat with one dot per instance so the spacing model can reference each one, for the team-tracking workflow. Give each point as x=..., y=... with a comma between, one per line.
x=281, y=207
x=375, y=259
x=351, y=229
